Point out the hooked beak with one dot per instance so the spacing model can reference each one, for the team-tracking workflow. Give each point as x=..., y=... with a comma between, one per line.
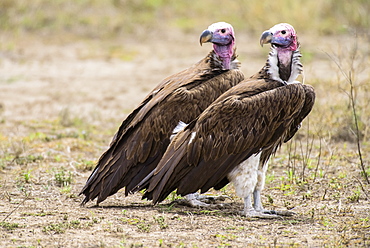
x=206, y=36
x=266, y=37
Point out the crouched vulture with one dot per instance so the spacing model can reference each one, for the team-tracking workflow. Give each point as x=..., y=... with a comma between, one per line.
x=234, y=137
x=144, y=135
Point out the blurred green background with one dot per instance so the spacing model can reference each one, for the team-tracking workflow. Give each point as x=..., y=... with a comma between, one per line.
x=142, y=18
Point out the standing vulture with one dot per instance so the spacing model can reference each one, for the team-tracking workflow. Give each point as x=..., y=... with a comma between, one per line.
x=144, y=135
x=234, y=137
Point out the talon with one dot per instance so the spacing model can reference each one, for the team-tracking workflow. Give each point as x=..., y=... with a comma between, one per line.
x=210, y=198
x=256, y=214
x=276, y=212
x=264, y=214
x=197, y=200
x=260, y=215
x=285, y=213
x=269, y=212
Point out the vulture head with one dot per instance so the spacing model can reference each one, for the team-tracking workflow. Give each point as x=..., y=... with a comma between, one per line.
x=284, y=56
x=221, y=34
x=281, y=36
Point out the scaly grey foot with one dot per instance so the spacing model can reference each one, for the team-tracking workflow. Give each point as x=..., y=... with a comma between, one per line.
x=278, y=212
x=252, y=213
x=197, y=200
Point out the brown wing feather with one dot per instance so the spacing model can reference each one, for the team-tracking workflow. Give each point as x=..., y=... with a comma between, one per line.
x=247, y=118
x=306, y=109
x=144, y=136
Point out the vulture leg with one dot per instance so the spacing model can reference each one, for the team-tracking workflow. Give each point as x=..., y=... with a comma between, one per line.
x=197, y=200
x=245, y=178
x=251, y=212
x=257, y=202
x=249, y=178
x=268, y=213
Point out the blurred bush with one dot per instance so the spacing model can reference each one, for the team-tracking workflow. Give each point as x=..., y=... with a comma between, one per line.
x=103, y=18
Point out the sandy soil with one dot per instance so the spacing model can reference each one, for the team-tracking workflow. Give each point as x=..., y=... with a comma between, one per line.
x=41, y=82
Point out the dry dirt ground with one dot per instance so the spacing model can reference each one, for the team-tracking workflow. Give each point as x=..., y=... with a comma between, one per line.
x=60, y=105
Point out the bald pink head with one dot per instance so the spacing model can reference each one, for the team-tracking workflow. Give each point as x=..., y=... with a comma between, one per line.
x=283, y=38
x=221, y=34
x=284, y=35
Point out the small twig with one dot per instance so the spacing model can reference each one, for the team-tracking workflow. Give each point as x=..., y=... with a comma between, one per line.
x=353, y=103
x=362, y=187
x=331, y=152
x=307, y=153
x=289, y=153
x=323, y=196
x=304, y=165
x=352, y=99
x=25, y=199
x=318, y=162
x=291, y=160
x=294, y=159
x=339, y=206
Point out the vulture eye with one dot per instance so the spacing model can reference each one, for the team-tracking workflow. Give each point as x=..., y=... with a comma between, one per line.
x=283, y=32
x=223, y=30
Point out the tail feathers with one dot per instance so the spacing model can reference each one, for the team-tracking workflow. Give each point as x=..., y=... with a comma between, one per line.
x=166, y=177
x=104, y=180
x=139, y=173
x=143, y=184
x=117, y=175
x=110, y=182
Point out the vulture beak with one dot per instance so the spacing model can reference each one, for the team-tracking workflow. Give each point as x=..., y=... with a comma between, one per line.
x=206, y=36
x=266, y=37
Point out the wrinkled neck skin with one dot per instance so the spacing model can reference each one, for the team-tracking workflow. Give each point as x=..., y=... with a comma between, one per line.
x=224, y=53
x=284, y=56
x=284, y=65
